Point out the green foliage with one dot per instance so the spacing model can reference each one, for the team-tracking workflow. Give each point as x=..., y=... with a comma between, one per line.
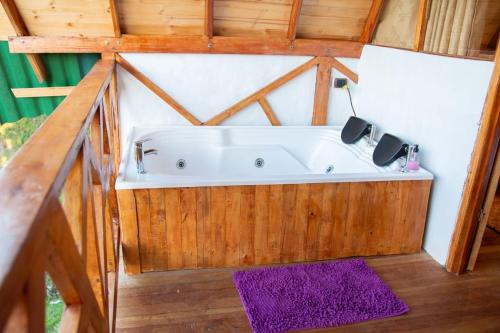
x=54, y=307
x=14, y=135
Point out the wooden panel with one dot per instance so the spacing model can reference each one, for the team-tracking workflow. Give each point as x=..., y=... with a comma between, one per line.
x=6, y=28
x=251, y=18
x=162, y=17
x=251, y=225
x=340, y=19
x=66, y=18
x=130, y=232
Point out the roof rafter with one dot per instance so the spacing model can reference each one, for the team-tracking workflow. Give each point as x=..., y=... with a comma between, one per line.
x=209, y=18
x=294, y=20
x=371, y=21
x=418, y=42
x=115, y=17
x=20, y=28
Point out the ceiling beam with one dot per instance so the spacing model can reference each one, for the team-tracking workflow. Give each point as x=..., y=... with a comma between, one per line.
x=185, y=44
x=209, y=18
x=371, y=21
x=115, y=17
x=294, y=20
x=20, y=28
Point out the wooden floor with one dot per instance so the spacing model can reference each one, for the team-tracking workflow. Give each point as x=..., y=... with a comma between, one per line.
x=206, y=300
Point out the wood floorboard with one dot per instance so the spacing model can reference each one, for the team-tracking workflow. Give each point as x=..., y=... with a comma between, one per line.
x=206, y=300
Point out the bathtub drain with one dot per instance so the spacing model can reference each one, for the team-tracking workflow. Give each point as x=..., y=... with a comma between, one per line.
x=259, y=163
x=181, y=164
x=329, y=170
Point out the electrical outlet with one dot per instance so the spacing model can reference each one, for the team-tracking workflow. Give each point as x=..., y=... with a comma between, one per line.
x=339, y=83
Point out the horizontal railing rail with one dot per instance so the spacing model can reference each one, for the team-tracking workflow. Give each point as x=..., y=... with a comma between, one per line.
x=58, y=213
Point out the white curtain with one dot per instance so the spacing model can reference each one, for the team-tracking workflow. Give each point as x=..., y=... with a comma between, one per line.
x=450, y=25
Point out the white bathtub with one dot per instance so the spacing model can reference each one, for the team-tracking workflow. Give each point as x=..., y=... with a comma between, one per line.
x=226, y=155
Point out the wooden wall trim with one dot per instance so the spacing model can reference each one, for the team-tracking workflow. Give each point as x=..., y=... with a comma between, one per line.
x=157, y=90
x=322, y=92
x=371, y=21
x=478, y=177
x=268, y=110
x=186, y=44
x=20, y=28
x=418, y=43
x=294, y=20
x=42, y=91
x=217, y=119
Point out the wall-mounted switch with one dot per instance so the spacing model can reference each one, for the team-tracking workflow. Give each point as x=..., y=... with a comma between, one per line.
x=339, y=83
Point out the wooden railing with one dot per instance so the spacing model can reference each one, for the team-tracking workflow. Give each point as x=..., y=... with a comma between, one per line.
x=58, y=214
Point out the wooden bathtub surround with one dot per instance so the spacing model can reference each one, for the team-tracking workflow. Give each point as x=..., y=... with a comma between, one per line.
x=181, y=228
x=72, y=239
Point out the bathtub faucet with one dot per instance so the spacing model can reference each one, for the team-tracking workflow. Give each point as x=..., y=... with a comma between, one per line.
x=140, y=153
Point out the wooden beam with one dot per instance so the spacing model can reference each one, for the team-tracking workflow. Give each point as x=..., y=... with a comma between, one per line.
x=343, y=69
x=322, y=92
x=266, y=107
x=418, y=42
x=262, y=92
x=371, y=21
x=294, y=20
x=478, y=176
x=20, y=28
x=185, y=44
x=209, y=18
x=42, y=92
x=157, y=90
x=115, y=17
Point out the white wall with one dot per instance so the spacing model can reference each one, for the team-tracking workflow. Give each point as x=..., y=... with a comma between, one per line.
x=430, y=100
x=207, y=84
x=433, y=101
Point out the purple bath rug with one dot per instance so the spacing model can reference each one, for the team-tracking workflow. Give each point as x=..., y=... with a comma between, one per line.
x=305, y=296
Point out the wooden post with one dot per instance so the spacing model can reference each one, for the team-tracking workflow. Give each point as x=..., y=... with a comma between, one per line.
x=322, y=92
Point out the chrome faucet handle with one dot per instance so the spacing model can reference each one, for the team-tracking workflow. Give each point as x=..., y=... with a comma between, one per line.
x=141, y=141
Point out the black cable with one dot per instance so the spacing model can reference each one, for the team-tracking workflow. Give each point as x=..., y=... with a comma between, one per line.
x=350, y=100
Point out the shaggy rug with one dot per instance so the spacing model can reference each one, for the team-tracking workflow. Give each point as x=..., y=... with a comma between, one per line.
x=305, y=296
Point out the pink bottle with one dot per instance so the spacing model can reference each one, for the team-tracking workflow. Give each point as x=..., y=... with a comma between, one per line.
x=412, y=162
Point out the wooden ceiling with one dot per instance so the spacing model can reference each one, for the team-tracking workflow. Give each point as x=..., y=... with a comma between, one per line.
x=329, y=19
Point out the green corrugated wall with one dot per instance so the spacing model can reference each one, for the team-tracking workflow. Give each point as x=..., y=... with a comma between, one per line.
x=16, y=72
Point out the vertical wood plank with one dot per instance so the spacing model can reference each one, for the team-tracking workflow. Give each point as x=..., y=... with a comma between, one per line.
x=247, y=225
x=144, y=228
x=129, y=229
x=188, y=225
x=158, y=220
x=326, y=223
x=217, y=226
x=202, y=221
x=288, y=207
x=209, y=18
x=322, y=92
x=314, y=220
x=300, y=222
x=232, y=222
x=174, y=228
x=276, y=222
x=262, y=224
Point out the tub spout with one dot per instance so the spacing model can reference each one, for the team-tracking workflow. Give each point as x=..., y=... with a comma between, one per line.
x=140, y=153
